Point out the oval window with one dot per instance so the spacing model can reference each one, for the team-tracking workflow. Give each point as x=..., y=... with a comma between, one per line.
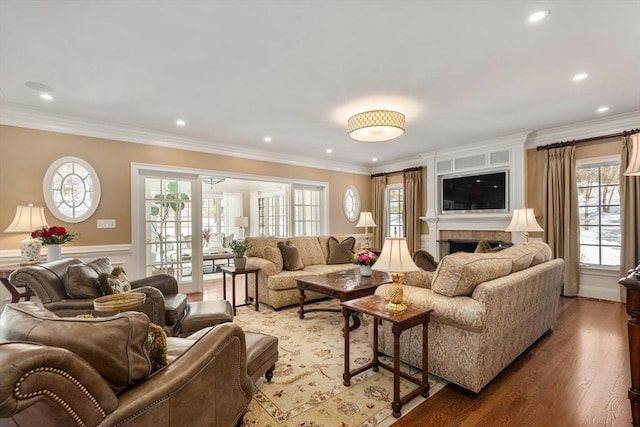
x=71, y=189
x=351, y=203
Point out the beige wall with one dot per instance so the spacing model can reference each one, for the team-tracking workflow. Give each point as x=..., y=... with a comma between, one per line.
x=27, y=154
x=535, y=169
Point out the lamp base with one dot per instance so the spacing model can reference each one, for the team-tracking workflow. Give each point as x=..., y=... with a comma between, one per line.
x=395, y=295
x=395, y=307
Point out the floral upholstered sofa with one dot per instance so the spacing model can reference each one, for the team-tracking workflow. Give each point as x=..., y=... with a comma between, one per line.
x=277, y=286
x=487, y=309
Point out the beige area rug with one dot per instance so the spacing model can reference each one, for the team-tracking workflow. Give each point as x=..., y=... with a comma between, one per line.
x=307, y=389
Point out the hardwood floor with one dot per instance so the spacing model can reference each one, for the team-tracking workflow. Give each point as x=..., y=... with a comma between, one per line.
x=576, y=375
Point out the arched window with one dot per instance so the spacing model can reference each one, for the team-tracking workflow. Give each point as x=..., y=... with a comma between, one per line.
x=351, y=203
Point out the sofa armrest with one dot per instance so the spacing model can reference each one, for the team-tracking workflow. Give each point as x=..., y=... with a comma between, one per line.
x=39, y=381
x=213, y=371
x=266, y=267
x=165, y=283
x=154, y=306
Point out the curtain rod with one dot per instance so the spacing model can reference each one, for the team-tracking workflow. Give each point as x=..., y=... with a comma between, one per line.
x=417, y=168
x=578, y=141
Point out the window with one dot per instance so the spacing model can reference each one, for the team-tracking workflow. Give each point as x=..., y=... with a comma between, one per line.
x=599, y=212
x=306, y=211
x=351, y=203
x=213, y=215
x=272, y=214
x=71, y=189
x=395, y=211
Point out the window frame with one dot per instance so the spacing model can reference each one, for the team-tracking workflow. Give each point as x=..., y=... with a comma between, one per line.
x=598, y=162
x=389, y=214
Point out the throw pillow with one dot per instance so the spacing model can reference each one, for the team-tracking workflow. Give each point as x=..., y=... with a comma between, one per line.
x=460, y=273
x=291, y=259
x=156, y=347
x=216, y=240
x=227, y=240
x=483, y=247
x=275, y=256
x=425, y=260
x=114, y=283
x=80, y=280
x=341, y=252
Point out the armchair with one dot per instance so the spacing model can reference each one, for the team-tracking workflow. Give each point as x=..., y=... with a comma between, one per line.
x=48, y=376
x=165, y=305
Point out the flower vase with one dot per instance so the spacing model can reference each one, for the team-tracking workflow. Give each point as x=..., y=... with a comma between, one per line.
x=365, y=270
x=53, y=252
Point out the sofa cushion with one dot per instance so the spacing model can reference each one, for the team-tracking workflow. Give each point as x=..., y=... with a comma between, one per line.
x=291, y=259
x=174, y=306
x=541, y=252
x=81, y=280
x=521, y=256
x=460, y=273
x=310, y=251
x=275, y=256
x=340, y=252
x=418, y=279
x=259, y=243
x=114, y=346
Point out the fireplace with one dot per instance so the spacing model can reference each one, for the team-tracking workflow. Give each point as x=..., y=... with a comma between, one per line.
x=451, y=246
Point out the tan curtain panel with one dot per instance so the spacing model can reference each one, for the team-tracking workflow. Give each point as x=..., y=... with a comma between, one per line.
x=629, y=210
x=560, y=203
x=378, y=188
x=412, y=180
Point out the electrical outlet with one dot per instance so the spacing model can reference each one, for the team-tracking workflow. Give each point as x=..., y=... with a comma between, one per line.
x=106, y=223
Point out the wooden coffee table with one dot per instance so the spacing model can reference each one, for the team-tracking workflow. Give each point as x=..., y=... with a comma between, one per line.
x=414, y=315
x=343, y=285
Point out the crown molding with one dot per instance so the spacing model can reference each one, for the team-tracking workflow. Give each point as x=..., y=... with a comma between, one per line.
x=32, y=118
x=588, y=129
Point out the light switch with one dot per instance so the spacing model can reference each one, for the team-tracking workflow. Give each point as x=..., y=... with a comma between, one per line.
x=106, y=223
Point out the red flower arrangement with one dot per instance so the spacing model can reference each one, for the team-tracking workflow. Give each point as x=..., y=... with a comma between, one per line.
x=365, y=258
x=54, y=235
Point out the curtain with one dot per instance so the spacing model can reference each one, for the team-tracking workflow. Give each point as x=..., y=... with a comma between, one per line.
x=378, y=191
x=233, y=208
x=629, y=210
x=412, y=180
x=560, y=204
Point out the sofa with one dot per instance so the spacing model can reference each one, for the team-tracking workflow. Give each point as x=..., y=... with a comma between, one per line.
x=488, y=308
x=277, y=286
x=116, y=370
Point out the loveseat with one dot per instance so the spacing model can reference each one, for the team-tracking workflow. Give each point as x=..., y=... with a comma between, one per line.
x=487, y=309
x=100, y=372
x=277, y=286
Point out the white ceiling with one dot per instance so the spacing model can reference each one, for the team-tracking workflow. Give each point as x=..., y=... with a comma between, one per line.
x=236, y=71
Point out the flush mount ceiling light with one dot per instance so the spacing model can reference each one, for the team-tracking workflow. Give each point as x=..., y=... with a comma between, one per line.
x=376, y=125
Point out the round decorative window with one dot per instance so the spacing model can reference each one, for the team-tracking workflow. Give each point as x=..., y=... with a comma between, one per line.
x=71, y=189
x=351, y=203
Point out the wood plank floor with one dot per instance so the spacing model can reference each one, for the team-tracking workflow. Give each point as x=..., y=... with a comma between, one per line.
x=576, y=375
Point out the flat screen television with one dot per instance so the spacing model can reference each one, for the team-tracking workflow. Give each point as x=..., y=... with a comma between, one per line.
x=486, y=192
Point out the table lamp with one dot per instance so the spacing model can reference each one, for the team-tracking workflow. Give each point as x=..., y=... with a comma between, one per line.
x=396, y=260
x=241, y=222
x=524, y=220
x=366, y=221
x=27, y=219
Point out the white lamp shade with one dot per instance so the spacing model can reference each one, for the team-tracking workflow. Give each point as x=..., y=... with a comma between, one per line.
x=27, y=219
x=524, y=220
x=241, y=221
x=634, y=162
x=366, y=220
x=395, y=257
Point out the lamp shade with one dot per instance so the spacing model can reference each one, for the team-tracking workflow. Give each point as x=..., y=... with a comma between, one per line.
x=27, y=219
x=376, y=125
x=634, y=161
x=241, y=221
x=395, y=257
x=524, y=220
x=366, y=220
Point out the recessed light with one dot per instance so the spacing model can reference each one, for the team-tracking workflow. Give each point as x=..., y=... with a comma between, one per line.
x=46, y=96
x=267, y=139
x=538, y=16
x=329, y=150
x=580, y=76
x=375, y=159
x=603, y=109
x=180, y=122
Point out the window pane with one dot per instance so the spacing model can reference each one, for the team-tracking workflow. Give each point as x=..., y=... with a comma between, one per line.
x=587, y=176
x=610, y=255
x=588, y=196
x=610, y=195
x=610, y=175
x=588, y=216
x=610, y=215
x=611, y=236
x=589, y=254
x=589, y=235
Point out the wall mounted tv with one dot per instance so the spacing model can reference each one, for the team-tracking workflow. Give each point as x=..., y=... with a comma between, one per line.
x=487, y=192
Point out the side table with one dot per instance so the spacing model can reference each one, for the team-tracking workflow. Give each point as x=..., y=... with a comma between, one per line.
x=5, y=272
x=632, y=283
x=233, y=271
x=374, y=305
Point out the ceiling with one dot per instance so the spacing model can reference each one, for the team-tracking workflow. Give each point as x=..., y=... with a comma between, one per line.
x=238, y=71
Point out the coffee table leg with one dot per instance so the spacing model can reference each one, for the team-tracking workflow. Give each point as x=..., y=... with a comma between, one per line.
x=396, y=406
x=346, y=377
x=301, y=298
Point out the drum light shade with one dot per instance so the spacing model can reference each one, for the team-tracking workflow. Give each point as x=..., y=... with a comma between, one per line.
x=376, y=126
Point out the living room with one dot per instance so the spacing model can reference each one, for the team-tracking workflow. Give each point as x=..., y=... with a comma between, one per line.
x=112, y=112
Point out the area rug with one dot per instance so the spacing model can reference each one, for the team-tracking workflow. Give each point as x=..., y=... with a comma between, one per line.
x=307, y=389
